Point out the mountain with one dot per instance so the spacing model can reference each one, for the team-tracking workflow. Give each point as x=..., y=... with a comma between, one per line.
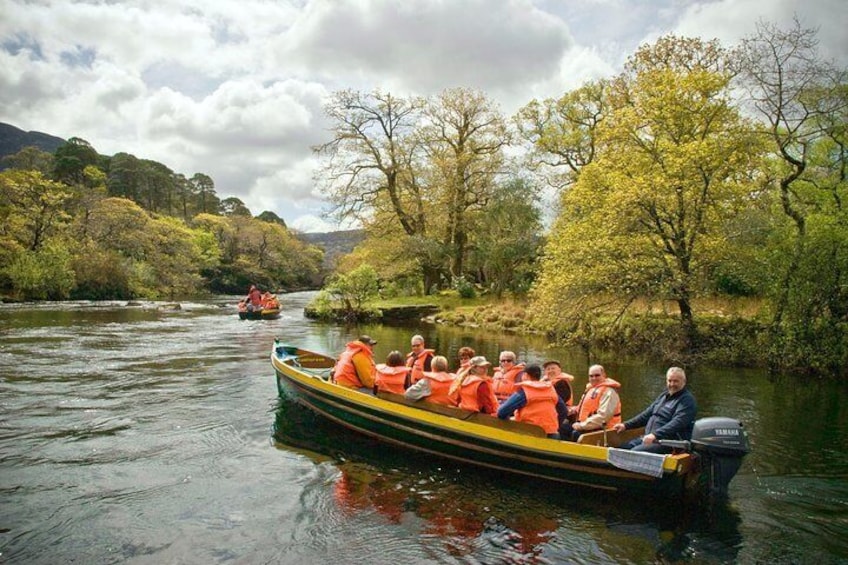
x=13, y=140
x=334, y=243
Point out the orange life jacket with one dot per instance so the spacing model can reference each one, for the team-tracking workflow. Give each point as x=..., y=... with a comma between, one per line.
x=416, y=363
x=468, y=393
x=391, y=379
x=504, y=382
x=591, y=400
x=344, y=373
x=540, y=409
x=440, y=384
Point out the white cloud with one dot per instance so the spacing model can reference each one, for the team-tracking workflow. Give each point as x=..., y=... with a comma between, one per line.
x=234, y=88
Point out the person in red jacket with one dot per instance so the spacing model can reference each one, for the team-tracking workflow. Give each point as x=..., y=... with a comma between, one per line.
x=254, y=299
x=473, y=387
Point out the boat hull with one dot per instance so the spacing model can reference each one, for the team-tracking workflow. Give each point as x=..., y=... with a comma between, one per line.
x=264, y=314
x=465, y=439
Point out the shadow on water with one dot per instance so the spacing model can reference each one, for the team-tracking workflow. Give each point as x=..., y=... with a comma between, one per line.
x=491, y=517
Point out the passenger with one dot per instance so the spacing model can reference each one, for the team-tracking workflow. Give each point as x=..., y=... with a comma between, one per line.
x=670, y=416
x=535, y=402
x=507, y=375
x=419, y=359
x=561, y=381
x=436, y=384
x=253, y=299
x=473, y=387
x=600, y=406
x=392, y=375
x=465, y=354
x=266, y=300
x=355, y=367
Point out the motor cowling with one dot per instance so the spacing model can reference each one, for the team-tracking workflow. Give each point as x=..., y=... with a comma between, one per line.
x=721, y=444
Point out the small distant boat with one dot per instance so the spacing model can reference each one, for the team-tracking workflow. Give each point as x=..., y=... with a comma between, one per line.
x=702, y=467
x=271, y=312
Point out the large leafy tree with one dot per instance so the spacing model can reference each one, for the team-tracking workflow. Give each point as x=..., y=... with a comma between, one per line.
x=32, y=207
x=672, y=167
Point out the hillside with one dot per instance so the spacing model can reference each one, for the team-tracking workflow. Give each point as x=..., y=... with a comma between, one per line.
x=13, y=139
x=334, y=243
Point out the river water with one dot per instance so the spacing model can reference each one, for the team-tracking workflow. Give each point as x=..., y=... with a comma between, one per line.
x=144, y=434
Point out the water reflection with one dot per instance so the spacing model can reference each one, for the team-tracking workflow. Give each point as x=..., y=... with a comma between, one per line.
x=483, y=516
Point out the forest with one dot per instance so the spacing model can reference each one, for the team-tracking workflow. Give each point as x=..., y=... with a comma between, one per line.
x=699, y=177
x=80, y=225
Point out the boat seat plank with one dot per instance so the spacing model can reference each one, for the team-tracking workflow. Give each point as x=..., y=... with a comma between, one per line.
x=613, y=439
x=467, y=415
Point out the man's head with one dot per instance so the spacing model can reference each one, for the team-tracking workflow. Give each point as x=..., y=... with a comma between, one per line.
x=552, y=368
x=506, y=360
x=597, y=374
x=417, y=343
x=368, y=340
x=675, y=379
x=534, y=372
x=439, y=364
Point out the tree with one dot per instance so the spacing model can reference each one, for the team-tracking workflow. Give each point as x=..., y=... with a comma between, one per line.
x=464, y=139
x=31, y=158
x=372, y=163
x=801, y=99
x=672, y=167
x=71, y=159
x=506, y=251
x=204, y=190
x=32, y=206
x=233, y=206
x=563, y=132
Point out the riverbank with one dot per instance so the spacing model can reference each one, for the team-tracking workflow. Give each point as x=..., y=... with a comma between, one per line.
x=729, y=332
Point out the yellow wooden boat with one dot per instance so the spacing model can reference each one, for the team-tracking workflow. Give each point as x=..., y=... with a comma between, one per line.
x=702, y=467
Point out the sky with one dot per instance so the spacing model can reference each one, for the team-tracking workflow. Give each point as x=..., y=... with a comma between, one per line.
x=235, y=88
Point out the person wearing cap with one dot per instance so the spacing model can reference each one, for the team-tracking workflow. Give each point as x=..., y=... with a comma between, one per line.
x=670, y=416
x=561, y=381
x=473, y=387
x=392, y=375
x=435, y=385
x=600, y=406
x=355, y=367
x=535, y=402
x=419, y=359
x=508, y=373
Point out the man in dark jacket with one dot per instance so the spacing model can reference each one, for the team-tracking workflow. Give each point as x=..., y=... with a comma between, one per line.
x=670, y=416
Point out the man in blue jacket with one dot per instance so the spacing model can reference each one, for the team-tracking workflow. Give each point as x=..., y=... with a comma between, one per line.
x=670, y=416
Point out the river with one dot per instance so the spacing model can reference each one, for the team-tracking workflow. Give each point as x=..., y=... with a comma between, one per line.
x=146, y=434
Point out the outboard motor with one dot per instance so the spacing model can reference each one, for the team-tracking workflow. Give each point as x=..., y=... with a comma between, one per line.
x=721, y=443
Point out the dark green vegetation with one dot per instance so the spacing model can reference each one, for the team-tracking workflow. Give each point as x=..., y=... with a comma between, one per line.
x=77, y=224
x=698, y=176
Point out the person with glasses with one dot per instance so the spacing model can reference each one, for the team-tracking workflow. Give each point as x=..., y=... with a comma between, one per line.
x=670, y=416
x=508, y=373
x=535, y=402
x=600, y=406
x=418, y=360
